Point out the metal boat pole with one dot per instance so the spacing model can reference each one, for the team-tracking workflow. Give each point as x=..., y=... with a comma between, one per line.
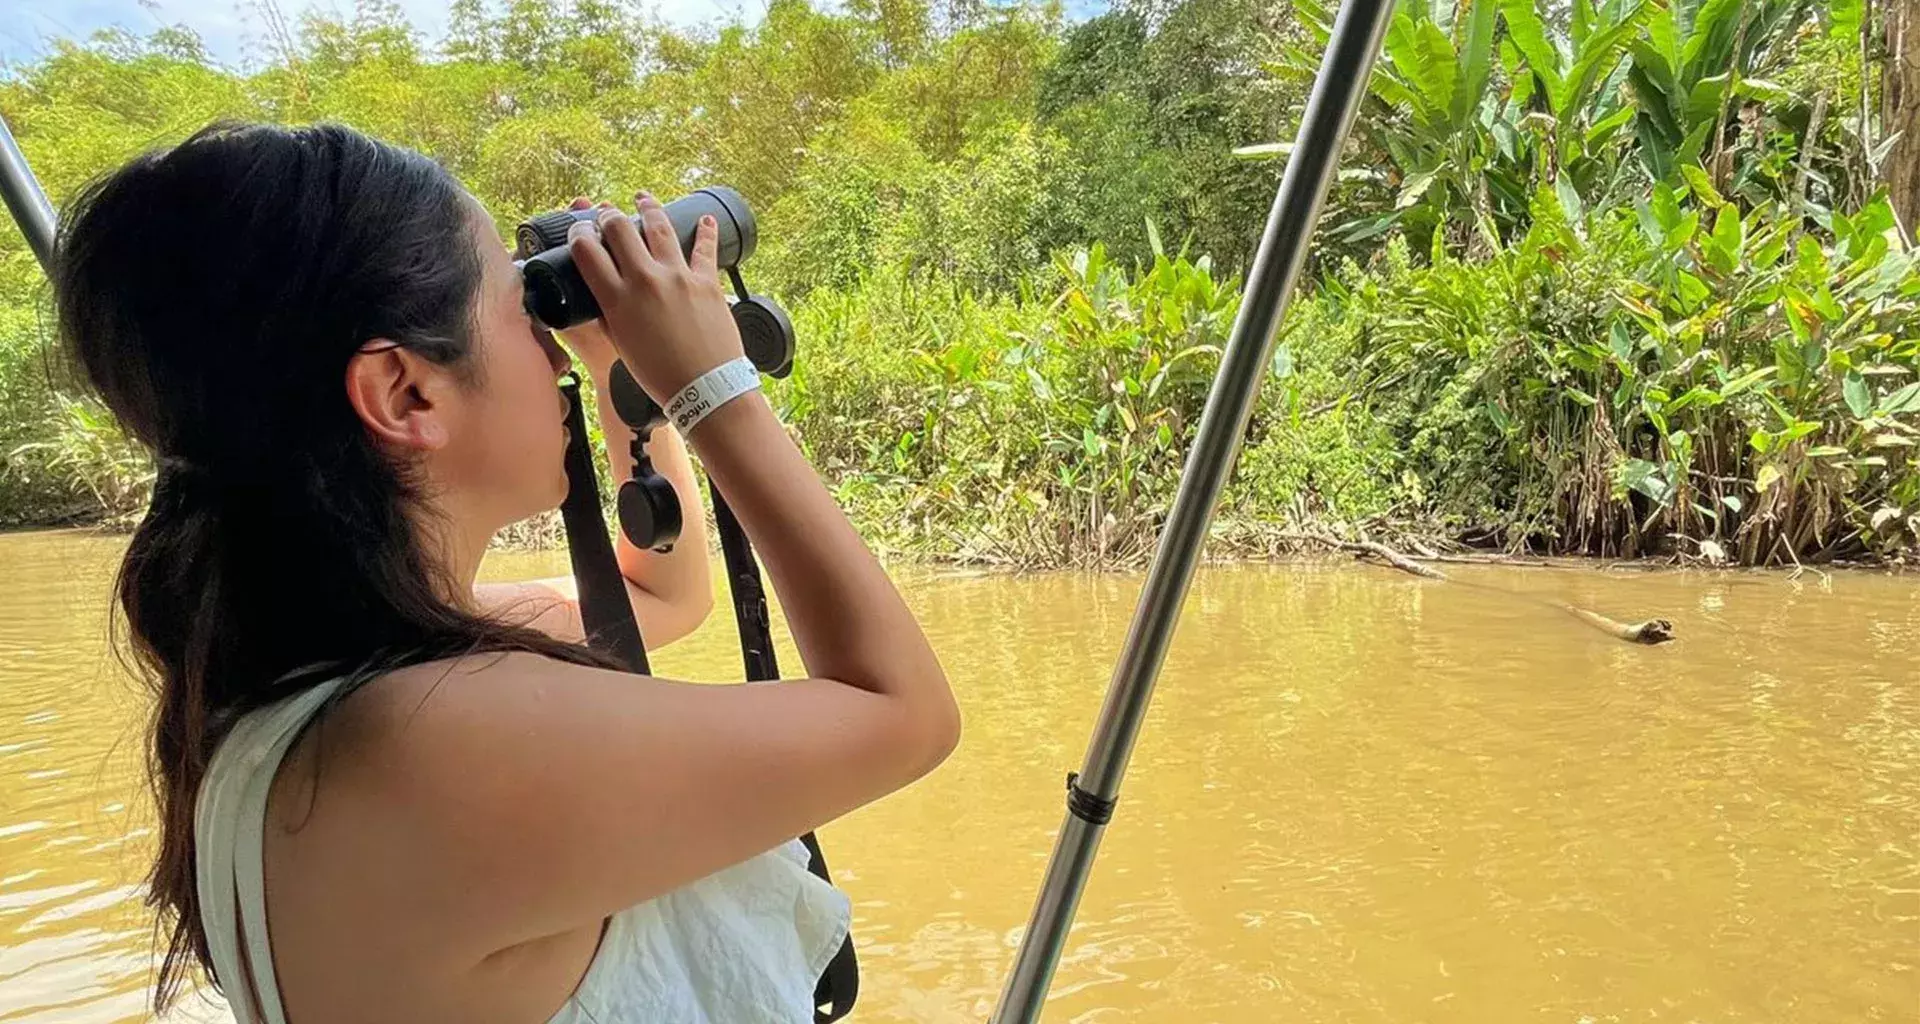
x=1283, y=248
x=25, y=201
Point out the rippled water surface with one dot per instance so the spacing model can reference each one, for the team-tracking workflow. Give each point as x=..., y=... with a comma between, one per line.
x=1359, y=797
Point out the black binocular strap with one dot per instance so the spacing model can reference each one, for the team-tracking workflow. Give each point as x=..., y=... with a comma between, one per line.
x=839, y=984
x=606, y=613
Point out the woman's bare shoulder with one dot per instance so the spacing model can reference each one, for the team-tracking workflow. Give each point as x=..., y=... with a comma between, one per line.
x=409, y=704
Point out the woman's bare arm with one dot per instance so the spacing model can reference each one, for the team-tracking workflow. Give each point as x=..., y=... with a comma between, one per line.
x=565, y=793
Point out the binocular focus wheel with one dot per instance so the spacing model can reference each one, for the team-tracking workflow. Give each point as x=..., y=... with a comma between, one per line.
x=649, y=511
x=544, y=231
x=636, y=408
x=766, y=334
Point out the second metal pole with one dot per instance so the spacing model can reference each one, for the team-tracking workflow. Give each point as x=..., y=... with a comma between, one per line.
x=1283, y=249
x=25, y=201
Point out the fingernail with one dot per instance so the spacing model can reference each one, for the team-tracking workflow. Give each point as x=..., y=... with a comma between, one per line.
x=706, y=220
x=580, y=229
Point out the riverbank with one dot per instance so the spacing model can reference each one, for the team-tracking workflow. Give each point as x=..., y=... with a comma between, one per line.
x=1230, y=543
x=1049, y=428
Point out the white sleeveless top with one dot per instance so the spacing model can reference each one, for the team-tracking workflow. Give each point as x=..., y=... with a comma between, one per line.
x=744, y=945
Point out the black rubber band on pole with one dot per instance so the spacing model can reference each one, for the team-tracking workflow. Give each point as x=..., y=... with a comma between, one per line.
x=1091, y=809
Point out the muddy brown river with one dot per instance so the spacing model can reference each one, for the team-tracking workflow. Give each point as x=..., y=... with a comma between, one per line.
x=1360, y=797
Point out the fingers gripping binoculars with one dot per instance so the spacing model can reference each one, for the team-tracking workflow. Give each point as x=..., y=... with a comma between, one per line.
x=557, y=297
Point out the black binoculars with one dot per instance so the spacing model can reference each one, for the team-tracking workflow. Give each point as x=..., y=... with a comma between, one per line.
x=558, y=297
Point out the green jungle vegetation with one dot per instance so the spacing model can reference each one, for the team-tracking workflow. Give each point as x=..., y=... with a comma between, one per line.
x=1602, y=277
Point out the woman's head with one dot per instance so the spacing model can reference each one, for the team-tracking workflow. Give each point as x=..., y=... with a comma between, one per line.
x=320, y=338
x=257, y=296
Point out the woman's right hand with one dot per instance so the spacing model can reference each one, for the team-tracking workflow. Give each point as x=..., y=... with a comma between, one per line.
x=668, y=316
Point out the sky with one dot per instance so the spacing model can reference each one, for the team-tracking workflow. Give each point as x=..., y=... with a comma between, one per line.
x=231, y=27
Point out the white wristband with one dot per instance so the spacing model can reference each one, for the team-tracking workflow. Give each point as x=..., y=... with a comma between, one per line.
x=710, y=391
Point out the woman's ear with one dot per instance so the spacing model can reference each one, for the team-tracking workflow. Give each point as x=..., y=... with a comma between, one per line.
x=400, y=396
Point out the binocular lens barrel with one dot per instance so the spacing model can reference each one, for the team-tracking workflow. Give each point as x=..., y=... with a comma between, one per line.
x=558, y=297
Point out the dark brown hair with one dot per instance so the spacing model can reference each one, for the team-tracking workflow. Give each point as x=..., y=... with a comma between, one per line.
x=213, y=294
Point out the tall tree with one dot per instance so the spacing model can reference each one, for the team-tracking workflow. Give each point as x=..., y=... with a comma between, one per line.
x=1900, y=111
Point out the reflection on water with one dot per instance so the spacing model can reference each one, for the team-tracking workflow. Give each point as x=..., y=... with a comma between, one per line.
x=1359, y=797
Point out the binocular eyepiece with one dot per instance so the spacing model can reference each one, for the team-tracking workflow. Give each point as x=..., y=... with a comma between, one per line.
x=558, y=297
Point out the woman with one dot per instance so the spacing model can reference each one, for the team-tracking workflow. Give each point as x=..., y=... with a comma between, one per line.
x=321, y=338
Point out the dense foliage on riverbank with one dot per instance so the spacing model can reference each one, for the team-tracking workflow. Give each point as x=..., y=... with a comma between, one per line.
x=1614, y=279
